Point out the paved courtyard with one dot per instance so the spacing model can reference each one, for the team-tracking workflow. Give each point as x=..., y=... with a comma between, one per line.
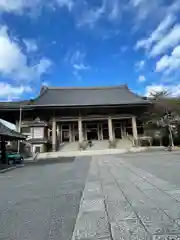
x=41, y=202
x=110, y=197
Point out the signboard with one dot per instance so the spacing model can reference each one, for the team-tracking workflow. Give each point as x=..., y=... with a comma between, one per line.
x=38, y=132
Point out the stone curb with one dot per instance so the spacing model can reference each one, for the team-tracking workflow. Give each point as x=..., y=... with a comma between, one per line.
x=7, y=169
x=12, y=168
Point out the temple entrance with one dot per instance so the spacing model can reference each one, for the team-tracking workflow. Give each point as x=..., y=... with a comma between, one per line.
x=105, y=131
x=65, y=136
x=92, y=131
x=117, y=132
x=92, y=134
x=117, y=125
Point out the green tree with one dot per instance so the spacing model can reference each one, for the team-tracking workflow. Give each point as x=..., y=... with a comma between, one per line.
x=163, y=114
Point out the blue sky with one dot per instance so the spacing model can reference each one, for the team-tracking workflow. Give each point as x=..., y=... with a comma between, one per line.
x=89, y=43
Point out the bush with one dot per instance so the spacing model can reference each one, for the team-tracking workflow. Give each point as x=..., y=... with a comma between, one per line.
x=82, y=145
x=112, y=143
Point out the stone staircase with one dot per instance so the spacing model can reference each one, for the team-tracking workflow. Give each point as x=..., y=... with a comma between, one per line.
x=98, y=145
x=66, y=147
x=98, y=148
x=124, y=143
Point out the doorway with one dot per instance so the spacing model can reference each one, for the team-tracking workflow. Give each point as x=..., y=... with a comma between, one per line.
x=92, y=134
x=65, y=136
x=92, y=131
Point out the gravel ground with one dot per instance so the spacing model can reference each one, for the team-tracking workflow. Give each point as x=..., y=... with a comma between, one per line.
x=41, y=202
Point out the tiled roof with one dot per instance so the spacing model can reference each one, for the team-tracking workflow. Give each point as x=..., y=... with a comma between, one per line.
x=97, y=96
x=10, y=134
x=89, y=96
x=14, y=104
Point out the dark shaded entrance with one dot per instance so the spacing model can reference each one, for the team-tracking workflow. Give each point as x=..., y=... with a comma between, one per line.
x=105, y=134
x=92, y=131
x=92, y=134
x=65, y=136
x=118, y=134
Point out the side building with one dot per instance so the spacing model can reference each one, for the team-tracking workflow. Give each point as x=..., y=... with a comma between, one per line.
x=60, y=115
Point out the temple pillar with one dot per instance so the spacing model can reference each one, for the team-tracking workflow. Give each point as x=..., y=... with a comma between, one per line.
x=54, y=134
x=70, y=133
x=110, y=128
x=80, y=129
x=134, y=130
x=101, y=131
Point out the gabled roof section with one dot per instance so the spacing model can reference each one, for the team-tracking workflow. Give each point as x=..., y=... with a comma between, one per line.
x=9, y=134
x=90, y=96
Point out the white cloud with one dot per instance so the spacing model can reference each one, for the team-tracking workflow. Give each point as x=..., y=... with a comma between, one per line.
x=81, y=66
x=163, y=63
x=141, y=78
x=43, y=65
x=14, y=63
x=44, y=83
x=173, y=90
x=140, y=65
x=77, y=62
x=9, y=91
x=168, y=41
x=176, y=52
x=12, y=5
x=77, y=57
x=66, y=3
x=157, y=34
x=110, y=11
x=114, y=9
x=169, y=63
x=77, y=75
x=136, y=3
x=151, y=12
x=22, y=6
x=17, y=6
x=90, y=16
x=31, y=45
x=143, y=9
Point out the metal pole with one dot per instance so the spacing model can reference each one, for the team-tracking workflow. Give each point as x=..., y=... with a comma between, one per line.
x=19, y=127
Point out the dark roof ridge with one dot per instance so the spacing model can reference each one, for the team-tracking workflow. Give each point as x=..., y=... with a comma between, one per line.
x=87, y=88
x=43, y=90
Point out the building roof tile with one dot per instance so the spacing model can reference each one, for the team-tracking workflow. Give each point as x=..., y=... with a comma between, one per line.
x=95, y=96
x=9, y=134
x=87, y=96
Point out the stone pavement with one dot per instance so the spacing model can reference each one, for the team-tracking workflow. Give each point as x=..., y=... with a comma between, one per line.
x=121, y=201
x=41, y=202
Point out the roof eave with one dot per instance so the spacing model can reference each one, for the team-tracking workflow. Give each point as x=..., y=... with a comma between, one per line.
x=85, y=105
x=32, y=107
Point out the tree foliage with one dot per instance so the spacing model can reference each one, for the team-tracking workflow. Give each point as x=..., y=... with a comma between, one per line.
x=163, y=107
x=162, y=113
